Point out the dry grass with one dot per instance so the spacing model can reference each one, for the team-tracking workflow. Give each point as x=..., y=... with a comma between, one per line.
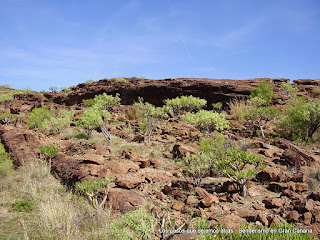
x=59, y=214
x=238, y=109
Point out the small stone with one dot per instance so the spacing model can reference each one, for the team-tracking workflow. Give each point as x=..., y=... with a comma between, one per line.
x=263, y=219
x=293, y=216
x=178, y=206
x=310, y=204
x=302, y=187
x=193, y=201
x=208, y=201
x=307, y=218
x=273, y=202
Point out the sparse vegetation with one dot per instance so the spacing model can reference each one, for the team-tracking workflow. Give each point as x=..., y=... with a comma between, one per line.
x=39, y=118
x=262, y=95
x=301, y=120
x=90, y=81
x=207, y=120
x=53, y=89
x=238, y=109
x=24, y=205
x=239, y=166
x=121, y=79
x=185, y=103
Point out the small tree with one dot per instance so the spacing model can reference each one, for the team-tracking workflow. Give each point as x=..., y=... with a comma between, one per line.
x=53, y=89
x=105, y=101
x=259, y=117
x=186, y=103
x=289, y=89
x=150, y=114
x=90, y=120
x=302, y=119
x=236, y=166
x=89, y=189
x=262, y=95
x=50, y=152
x=207, y=120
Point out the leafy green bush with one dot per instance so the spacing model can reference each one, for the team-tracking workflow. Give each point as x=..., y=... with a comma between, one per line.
x=39, y=118
x=105, y=101
x=121, y=79
x=24, y=205
x=137, y=224
x=91, y=119
x=57, y=123
x=259, y=117
x=262, y=95
x=301, y=120
x=90, y=81
x=149, y=114
x=289, y=88
x=208, y=120
x=217, y=106
x=6, y=164
x=186, y=103
x=49, y=151
x=142, y=77
x=236, y=166
x=198, y=164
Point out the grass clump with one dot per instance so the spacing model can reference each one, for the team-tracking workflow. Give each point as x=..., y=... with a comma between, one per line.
x=137, y=224
x=238, y=109
x=24, y=205
x=6, y=164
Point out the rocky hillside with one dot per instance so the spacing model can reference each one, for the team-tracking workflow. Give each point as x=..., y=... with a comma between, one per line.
x=286, y=190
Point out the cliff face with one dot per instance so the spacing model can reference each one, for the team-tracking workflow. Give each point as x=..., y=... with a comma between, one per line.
x=155, y=91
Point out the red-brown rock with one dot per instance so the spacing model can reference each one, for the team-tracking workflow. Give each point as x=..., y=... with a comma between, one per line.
x=293, y=216
x=124, y=200
x=270, y=174
x=307, y=218
x=273, y=202
x=208, y=201
x=180, y=150
x=129, y=181
x=232, y=221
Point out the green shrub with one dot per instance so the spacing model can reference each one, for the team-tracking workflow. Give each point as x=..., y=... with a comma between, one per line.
x=197, y=165
x=262, y=95
x=207, y=120
x=217, y=106
x=137, y=224
x=134, y=113
x=186, y=103
x=259, y=117
x=25, y=205
x=142, y=77
x=39, y=118
x=105, y=101
x=90, y=81
x=91, y=119
x=121, y=79
x=289, y=88
x=236, y=166
x=301, y=120
x=6, y=164
x=57, y=123
x=50, y=151
x=88, y=102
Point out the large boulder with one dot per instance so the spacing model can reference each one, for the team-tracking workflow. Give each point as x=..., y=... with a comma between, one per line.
x=295, y=155
x=124, y=200
x=22, y=144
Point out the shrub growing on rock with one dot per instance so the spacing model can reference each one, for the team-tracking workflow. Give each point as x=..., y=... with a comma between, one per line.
x=59, y=122
x=137, y=224
x=6, y=98
x=208, y=120
x=90, y=120
x=239, y=166
x=39, y=118
x=259, y=117
x=186, y=103
x=262, y=95
x=301, y=120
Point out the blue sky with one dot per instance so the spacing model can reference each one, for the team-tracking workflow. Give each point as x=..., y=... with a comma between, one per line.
x=63, y=43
